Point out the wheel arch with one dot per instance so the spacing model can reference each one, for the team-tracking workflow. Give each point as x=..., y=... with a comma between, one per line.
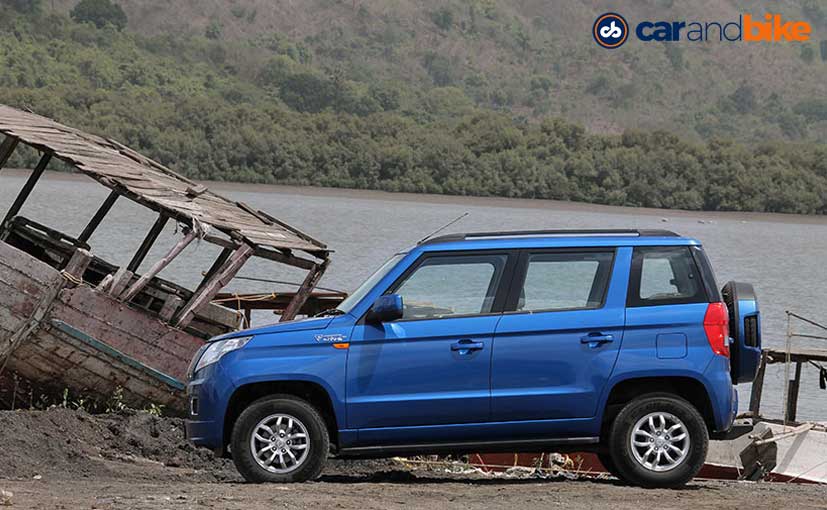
x=312, y=392
x=688, y=388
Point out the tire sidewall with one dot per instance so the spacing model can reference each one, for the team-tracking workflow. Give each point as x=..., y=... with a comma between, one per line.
x=260, y=409
x=621, y=449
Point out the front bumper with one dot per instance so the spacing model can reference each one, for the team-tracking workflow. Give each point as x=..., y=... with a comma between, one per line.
x=207, y=396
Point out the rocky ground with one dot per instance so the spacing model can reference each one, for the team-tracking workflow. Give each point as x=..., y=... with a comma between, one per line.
x=66, y=459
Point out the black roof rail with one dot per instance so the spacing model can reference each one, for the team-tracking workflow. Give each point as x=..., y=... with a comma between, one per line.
x=557, y=232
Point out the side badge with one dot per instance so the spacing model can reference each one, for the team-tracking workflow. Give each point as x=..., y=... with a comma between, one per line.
x=337, y=338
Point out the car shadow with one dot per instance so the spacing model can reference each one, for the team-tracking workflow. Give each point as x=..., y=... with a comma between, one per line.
x=411, y=478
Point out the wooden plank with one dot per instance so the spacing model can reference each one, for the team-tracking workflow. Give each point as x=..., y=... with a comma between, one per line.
x=216, y=266
x=93, y=371
x=133, y=291
x=19, y=281
x=26, y=191
x=171, y=305
x=304, y=291
x=758, y=388
x=35, y=318
x=120, y=280
x=98, y=217
x=25, y=264
x=792, y=395
x=103, y=308
x=196, y=190
x=103, y=286
x=147, y=243
x=118, y=355
x=219, y=281
x=163, y=350
x=7, y=149
x=78, y=264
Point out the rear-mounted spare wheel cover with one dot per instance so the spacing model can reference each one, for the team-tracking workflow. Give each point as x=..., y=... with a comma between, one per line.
x=744, y=329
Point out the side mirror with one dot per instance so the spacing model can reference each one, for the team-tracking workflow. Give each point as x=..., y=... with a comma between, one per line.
x=387, y=308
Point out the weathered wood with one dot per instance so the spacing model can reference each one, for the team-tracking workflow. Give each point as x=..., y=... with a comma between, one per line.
x=77, y=265
x=147, y=243
x=31, y=225
x=7, y=149
x=219, y=281
x=196, y=190
x=26, y=191
x=148, y=182
x=758, y=388
x=36, y=317
x=216, y=266
x=120, y=280
x=103, y=286
x=792, y=395
x=171, y=305
x=98, y=217
x=275, y=256
x=304, y=291
x=133, y=291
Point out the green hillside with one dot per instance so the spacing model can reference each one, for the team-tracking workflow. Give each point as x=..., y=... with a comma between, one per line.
x=440, y=97
x=535, y=58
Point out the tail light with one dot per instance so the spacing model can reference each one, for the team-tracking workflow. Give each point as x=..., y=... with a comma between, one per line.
x=716, y=327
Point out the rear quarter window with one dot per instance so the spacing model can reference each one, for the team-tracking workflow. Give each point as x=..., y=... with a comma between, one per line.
x=665, y=275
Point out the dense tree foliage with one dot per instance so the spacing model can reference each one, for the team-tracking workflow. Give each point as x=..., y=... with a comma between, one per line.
x=260, y=113
x=100, y=12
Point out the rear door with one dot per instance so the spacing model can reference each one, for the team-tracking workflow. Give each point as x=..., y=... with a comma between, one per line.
x=555, y=350
x=433, y=366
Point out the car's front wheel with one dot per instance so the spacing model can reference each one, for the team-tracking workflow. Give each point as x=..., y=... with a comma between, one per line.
x=658, y=440
x=279, y=439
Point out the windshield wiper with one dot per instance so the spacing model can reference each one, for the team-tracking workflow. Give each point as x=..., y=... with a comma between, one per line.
x=330, y=312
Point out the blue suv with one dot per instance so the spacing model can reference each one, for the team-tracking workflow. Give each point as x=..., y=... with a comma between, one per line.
x=612, y=341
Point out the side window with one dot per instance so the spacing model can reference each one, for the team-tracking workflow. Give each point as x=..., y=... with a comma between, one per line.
x=443, y=286
x=565, y=281
x=665, y=275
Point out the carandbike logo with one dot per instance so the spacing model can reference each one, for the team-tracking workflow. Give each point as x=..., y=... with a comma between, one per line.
x=610, y=30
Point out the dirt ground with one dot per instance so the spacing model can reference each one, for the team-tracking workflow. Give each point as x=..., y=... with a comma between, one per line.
x=66, y=459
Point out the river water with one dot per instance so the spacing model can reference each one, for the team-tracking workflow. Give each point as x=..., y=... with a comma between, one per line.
x=783, y=256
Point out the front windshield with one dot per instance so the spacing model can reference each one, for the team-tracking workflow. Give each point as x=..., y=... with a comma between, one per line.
x=357, y=295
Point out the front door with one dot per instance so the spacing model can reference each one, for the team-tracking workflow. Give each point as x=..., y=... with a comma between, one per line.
x=556, y=348
x=433, y=366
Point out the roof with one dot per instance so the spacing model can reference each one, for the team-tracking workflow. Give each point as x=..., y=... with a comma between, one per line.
x=556, y=238
x=153, y=185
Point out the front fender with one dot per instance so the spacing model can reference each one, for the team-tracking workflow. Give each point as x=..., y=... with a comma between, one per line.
x=320, y=364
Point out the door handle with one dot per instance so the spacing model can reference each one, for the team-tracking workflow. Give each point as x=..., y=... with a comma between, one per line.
x=595, y=339
x=466, y=346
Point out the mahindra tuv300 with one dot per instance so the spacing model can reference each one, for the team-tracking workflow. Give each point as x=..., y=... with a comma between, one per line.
x=617, y=342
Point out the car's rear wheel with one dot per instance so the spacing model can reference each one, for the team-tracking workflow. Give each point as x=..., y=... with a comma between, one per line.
x=658, y=440
x=279, y=439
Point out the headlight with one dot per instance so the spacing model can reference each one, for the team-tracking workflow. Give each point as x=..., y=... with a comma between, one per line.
x=218, y=349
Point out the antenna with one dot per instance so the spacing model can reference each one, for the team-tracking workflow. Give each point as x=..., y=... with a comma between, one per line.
x=440, y=229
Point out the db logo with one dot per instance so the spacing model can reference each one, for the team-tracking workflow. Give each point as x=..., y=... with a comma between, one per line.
x=610, y=30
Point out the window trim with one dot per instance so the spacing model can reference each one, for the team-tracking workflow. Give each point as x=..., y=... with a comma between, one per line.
x=633, y=299
x=500, y=293
x=521, y=272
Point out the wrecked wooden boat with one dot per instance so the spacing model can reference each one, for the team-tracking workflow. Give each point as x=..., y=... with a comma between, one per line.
x=71, y=320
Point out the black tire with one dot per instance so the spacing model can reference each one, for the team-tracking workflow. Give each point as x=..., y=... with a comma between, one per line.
x=620, y=448
x=244, y=428
x=609, y=463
